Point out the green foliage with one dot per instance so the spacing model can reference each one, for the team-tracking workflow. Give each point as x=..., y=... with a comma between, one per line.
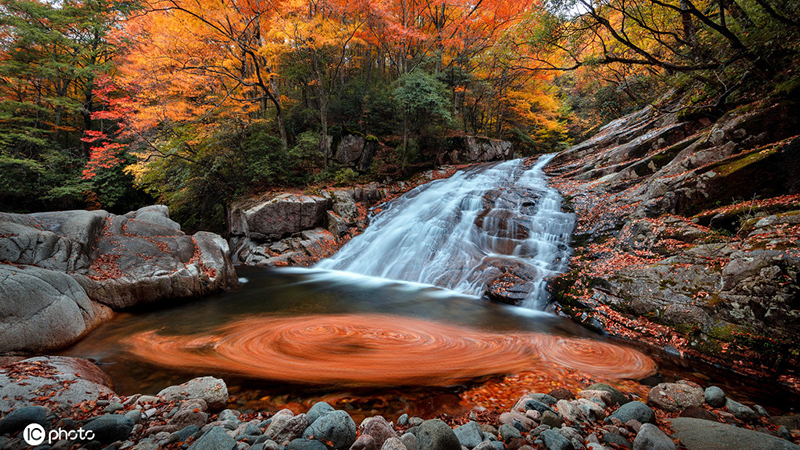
x=423, y=101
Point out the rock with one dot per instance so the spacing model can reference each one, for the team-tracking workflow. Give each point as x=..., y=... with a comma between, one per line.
x=551, y=419
x=306, y=444
x=714, y=396
x=616, y=439
x=650, y=437
x=616, y=396
x=410, y=441
x=337, y=427
x=636, y=411
x=603, y=396
x=791, y=422
x=741, y=411
x=110, y=427
x=402, y=420
x=185, y=433
x=211, y=390
x=436, y=435
x=62, y=381
x=569, y=411
x=537, y=406
x=674, y=397
x=697, y=434
x=553, y=440
x=291, y=429
x=43, y=310
x=344, y=205
x=508, y=432
x=379, y=429
x=277, y=216
x=214, y=439
x=698, y=412
x=186, y=417
x=364, y=442
x=229, y=415
x=470, y=149
x=469, y=435
x=558, y=394
x=590, y=409
x=393, y=444
x=19, y=418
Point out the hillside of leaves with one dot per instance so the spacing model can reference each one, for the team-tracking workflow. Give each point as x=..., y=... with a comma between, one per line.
x=117, y=103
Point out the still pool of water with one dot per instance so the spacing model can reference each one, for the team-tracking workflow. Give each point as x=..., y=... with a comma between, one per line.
x=290, y=337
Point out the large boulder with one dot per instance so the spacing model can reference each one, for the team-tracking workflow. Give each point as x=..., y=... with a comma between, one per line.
x=698, y=434
x=58, y=382
x=356, y=151
x=209, y=389
x=472, y=149
x=275, y=217
x=43, y=310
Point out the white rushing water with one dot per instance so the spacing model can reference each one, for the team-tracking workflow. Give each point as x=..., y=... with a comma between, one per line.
x=462, y=232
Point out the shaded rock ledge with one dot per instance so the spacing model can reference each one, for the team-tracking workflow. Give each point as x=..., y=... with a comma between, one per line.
x=63, y=273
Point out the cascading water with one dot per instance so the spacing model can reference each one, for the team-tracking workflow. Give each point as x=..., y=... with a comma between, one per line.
x=494, y=230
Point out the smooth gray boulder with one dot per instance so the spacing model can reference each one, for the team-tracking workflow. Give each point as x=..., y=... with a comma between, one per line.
x=19, y=418
x=337, y=427
x=553, y=440
x=634, y=411
x=212, y=390
x=272, y=218
x=675, y=397
x=698, y=434
x=742, y=412
x=436, y=435
x=714, y=396
x=109, y=428
x=379, y=429
x=650, y=437
x=616, y=395
x=43, y=310
x=469, y=434
x=317, y=410
x=214, y=439
x=69, y=380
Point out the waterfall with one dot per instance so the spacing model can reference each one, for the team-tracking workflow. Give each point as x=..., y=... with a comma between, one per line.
x=489, y=223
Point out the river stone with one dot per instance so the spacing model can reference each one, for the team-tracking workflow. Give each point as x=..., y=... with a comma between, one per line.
x=537, y=406
x=364, y=442
x=650, y=437
x=590, y=409
x=410, y=441
x=674, y=397
x=319, y=409
x=551, y=419
x=437, y=435
x=791, y=422
x=714, y=396
x=337, y=427
x=305, y=444
x=615, y=438
x=110, y=427
x=62, y=380
x=742, y=412
x=508, y=432
x=569, y=411
x=212, y=390
x=547, y=399
x=603, y=396
x=697, y=434
x=616, y=396
x=290, y=430
x=214, y=439
x=43, y=310
x=379, y=429
x=21, y=417
x=393, y=444
x=636, y=411
x=469, y=435
x=698, y=412
x=553, y=440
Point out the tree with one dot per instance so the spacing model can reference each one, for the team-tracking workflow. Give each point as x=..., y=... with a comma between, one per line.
x=423, y=103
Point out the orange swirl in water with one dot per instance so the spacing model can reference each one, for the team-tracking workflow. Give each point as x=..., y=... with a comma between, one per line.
x=378, y=350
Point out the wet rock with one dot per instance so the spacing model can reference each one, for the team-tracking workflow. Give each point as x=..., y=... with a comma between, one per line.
x=634, y=411
x=742, y=412
x=698, y=434
x=674, y=397
x=650, y=437
x=110, y=427
x=211, y=390
x=379, y=429
x=436, y=435
x=469, y=435
x=364, y=442
x=337, y=427
x=62, y=380
x=19, y=418
x=393, y=444
x=553, y=440
x=714, y=396
x=616, y=396
x=508, y=432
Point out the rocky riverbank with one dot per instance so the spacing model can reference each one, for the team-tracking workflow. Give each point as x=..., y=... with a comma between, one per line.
x=687, y=235
x=66, y=394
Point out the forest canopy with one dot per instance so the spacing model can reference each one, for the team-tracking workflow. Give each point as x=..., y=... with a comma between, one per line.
x=111, y=104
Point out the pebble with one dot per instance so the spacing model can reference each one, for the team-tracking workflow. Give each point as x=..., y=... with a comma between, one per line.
x=714, y=396
x=551, y=419
x=650, y=437
x=114, y=407
x=614, y=438
x=402, y=420
x=740, y=411
x=469, y=435
x=409, y=440
x=437, y=435
x=508, y=432
x=553, y=440
x=634, y=411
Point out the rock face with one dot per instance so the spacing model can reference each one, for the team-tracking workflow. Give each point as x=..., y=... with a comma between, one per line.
x=62, y=380
x=472, y=149
x=676, y=247
x=698, y=434
x=71, y=263
x=356, y=151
